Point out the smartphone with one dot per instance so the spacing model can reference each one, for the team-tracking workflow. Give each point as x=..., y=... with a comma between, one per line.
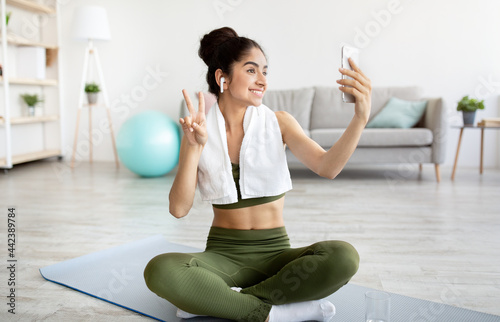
x=353, y=53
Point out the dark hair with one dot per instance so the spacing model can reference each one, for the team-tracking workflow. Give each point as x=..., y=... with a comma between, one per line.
x=221, y=48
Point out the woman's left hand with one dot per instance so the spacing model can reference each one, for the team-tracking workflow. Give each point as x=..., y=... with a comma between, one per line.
x=360, y=86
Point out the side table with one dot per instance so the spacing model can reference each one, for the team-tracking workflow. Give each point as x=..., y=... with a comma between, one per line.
x=462, y=128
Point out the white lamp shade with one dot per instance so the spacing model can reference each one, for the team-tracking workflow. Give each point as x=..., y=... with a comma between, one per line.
x=91, y=22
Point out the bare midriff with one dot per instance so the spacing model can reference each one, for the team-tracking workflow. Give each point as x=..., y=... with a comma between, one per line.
x=264, y=216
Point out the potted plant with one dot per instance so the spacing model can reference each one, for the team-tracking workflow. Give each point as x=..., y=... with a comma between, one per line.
x=31, y=100
x=92, y=89
x=469, y=106
x=7, y=18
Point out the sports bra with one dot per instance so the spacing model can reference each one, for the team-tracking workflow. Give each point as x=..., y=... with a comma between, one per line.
x=243, y=203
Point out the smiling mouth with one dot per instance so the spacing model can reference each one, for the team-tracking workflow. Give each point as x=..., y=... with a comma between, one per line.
x=258, y=93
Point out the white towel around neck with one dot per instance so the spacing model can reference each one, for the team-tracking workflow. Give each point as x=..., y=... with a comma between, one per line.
x=263, y=166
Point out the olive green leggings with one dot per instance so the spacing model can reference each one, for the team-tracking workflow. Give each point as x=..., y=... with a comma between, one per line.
x=261, y=262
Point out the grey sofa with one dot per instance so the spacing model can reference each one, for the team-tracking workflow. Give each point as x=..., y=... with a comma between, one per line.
x=324, y=117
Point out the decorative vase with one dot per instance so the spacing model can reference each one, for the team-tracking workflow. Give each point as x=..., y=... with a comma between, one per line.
x=31, y=111
x=469, y=117
x=92, y=98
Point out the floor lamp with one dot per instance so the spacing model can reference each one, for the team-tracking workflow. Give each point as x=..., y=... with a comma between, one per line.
x=91, y=23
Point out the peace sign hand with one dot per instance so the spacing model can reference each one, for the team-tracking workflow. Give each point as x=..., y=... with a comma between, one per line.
x=194, y=125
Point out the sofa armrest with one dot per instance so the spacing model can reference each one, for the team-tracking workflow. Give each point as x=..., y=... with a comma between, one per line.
x=436, y=120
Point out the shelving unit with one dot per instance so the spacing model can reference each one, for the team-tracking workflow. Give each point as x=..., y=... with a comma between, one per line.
x=29, y=81
x=32, y=6
x=16, y=129
x=20, y=41
x=31, y=119
x=32, y=156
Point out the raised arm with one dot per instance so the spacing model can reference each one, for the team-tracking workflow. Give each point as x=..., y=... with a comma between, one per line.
x=329, y=163
x=195, y=136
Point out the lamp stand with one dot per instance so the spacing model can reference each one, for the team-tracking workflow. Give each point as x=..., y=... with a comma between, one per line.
x=91, y=51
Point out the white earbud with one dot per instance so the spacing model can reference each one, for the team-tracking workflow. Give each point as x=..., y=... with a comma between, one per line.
x=222, y=80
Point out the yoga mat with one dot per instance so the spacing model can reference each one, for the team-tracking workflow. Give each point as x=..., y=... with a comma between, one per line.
x=115, y=275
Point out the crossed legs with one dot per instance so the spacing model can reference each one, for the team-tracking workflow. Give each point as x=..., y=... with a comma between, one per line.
x=200, y=283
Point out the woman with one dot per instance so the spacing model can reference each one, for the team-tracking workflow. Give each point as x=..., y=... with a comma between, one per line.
x=235, y=155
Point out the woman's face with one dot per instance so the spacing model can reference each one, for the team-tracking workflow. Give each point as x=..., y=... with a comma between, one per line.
x=249, y=79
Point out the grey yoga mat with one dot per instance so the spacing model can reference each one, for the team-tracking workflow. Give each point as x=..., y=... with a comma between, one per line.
x=115, y=275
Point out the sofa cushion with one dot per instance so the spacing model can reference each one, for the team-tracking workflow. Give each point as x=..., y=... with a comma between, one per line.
x=398, y=113
x=329, y=111
x=377, y=137
x=297, y=102
x=381, y=95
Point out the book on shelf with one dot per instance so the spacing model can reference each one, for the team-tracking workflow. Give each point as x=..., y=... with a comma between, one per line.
x=491, y=121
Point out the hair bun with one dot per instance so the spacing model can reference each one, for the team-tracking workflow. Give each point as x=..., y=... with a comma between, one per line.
x=211, y=41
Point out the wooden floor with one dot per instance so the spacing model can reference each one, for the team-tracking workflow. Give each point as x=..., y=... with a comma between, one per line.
x=439, y=242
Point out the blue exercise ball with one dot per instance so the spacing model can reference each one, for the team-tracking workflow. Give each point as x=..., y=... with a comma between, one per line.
x=148, y=144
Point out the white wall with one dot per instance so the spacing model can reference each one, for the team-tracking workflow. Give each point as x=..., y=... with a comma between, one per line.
x=449, y=48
